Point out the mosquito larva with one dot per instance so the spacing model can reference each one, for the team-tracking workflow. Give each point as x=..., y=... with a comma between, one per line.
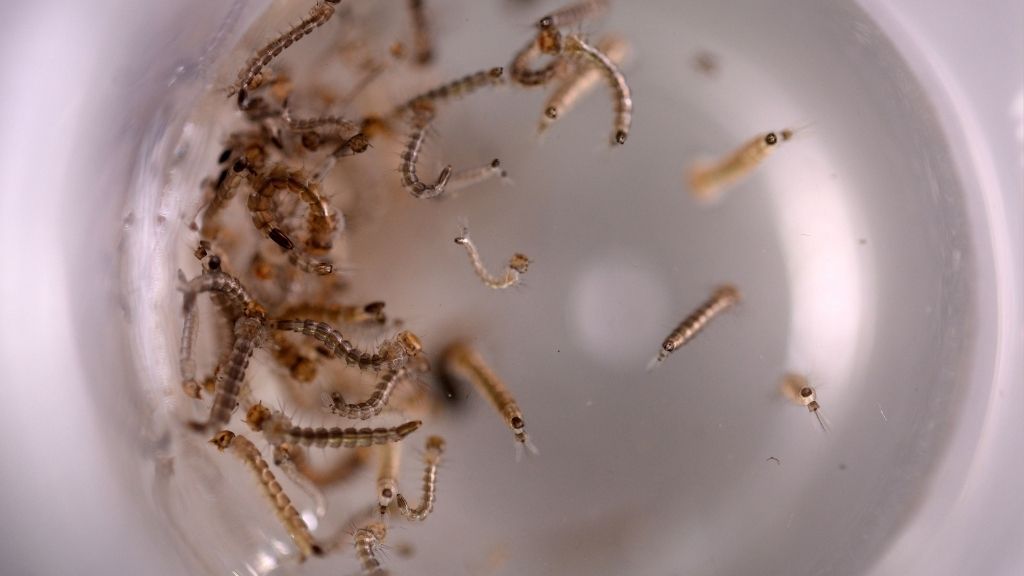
x=472, y=176
x=248, y=77
x=573, y=14
x=455, y=89
x=373, y=405
x=387, y=474
x=277, y=428
x=423, y=46
x=623, y=98
x=410, y=157
x=248, y=335
x=574, y=88
x=285, y=460
x=392, y=353
x=355, y=145
x=432, y=457
x=517, y=265
x=367, y=541
x=799, y=391
x=286, y=512
x=722, y=298
x=462, y=361
x=708, y=180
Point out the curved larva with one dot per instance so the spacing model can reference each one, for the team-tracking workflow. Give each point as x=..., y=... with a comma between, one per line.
x=248, y=334
x=373, y=405
x=616, y=80
x=390, y=354
x=431, y=459
x=517, y=265
x=580, y=83
x=247, y=76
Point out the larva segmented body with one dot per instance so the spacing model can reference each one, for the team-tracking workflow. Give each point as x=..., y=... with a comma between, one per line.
x=517, y=265
x=391, y=354
x=387, y=474
x=248, y=334
x=616, y=80
x=367, y=541
x=708, y=180
x=278, y=428
x=286, y=512
x=248, y=75
x=723, y=297
x=373, y=405
x=432, y=458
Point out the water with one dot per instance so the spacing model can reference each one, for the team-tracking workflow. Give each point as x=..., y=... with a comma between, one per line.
x=849, y=246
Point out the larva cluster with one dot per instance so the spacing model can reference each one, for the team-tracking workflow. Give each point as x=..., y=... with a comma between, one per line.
x=273, y=263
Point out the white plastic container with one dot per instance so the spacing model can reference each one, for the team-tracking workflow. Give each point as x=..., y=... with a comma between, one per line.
x=880, y=252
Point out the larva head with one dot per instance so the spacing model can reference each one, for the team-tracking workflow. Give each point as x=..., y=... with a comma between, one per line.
x=257, y=416
x=518, y=428
x=668, y=346
x=496, y=72
x=223, y=439
x=376, y=311
x=359, y=143
x=771, y=139
x=496, y=163
x=551, y=113
x=409, y=342
x=435, y=445
x=519, y=262
x=311, y=141
x=619, y=138
x=549, y=40
x=727, y=293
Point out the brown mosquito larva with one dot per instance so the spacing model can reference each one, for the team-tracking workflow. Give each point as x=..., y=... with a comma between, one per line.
x=517, y=265
x=250, y=76
x=391, y=354
x=367, y=541
x=432, y=457
x=373, y=405
x=462, y=361
x=248, y=335
x=410, y=157
x=620, y=88
x=723, y=297
x=573, y=14
x=278, y=428
x=284, y=458
x=453, y=90
x=387, y=474
x=286, y=512
x=574, y=88
x=423, y=45
x=263, y=209
x=707, y=181
x=462, y=179
x=798, y=390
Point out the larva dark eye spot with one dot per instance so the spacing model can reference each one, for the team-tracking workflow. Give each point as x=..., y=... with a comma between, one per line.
x=771, y=139
x=806, y=392
x=517, y=423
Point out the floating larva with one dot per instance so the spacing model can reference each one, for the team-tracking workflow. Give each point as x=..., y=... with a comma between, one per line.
x=431, y=460
x=707, y=181
x=462, y=361
x=286, y=460
x=373, y=405
x=516, y=266
x=580, y=83
x=616, y=80
x=390, y=354
x=468, y=177
x=798, y=390
x=286, y=512
x=278, y=428
x=411, y=157
x=249, y=333
x=723, y=297
x=249, y=75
